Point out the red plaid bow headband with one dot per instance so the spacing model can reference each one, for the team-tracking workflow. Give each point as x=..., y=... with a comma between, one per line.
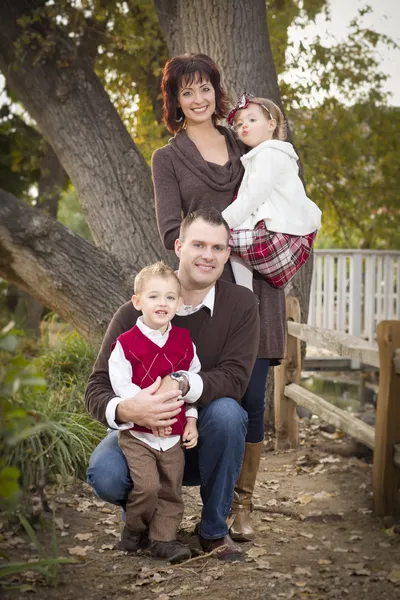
x=243, y=102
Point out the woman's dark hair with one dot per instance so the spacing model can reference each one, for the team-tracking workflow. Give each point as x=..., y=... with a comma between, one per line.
x=190, y=67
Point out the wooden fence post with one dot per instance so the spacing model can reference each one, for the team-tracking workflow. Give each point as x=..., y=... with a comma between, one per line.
x=385, y=475
x=286, y=426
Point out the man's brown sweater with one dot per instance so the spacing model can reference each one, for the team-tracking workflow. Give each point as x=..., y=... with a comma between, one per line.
x=184, y=182
x=226, y=343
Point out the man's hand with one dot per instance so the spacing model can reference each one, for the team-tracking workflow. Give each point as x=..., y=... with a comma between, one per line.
x=152, y=407
x=190, y=435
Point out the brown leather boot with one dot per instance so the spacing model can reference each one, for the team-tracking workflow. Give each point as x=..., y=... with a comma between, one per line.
x=240, y=527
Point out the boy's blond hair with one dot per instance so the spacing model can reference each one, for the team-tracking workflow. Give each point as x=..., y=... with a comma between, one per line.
x=158, y=269
x=270, y=110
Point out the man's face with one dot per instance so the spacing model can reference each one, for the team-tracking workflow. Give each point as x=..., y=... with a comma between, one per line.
x=202, y=253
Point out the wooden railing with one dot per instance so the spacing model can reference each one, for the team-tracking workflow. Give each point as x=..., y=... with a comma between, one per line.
x=353, y=290
x=384, y=438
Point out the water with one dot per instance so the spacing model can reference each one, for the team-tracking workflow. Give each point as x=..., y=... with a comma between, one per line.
x=341, y=389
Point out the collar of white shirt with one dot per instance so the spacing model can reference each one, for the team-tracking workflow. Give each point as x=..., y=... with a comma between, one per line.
x=208, y=302
x=152, y=334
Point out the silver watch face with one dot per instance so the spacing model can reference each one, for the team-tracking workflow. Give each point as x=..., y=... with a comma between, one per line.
x=177, y=376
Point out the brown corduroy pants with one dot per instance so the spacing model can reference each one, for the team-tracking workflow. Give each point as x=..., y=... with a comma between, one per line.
x=155, y=500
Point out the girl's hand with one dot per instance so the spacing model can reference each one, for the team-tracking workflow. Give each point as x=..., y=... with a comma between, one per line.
x=190, y=435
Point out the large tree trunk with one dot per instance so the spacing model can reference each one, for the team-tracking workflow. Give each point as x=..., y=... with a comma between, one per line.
x=62, y=93
x=233, y=32
x=83, y=284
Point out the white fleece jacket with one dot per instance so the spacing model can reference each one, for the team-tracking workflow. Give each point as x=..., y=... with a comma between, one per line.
x=271, y=191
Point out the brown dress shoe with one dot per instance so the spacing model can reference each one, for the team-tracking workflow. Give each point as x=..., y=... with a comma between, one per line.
x=172, y=551
x=229, y=550
x=132, y=542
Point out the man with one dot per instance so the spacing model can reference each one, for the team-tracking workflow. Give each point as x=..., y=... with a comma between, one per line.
x=224, y=325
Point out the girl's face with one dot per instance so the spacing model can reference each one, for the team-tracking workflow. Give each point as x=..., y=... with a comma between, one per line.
x=253, y=126
x=197, y=101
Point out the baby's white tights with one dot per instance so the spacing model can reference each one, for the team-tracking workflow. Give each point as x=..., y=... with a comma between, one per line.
x=242, y=272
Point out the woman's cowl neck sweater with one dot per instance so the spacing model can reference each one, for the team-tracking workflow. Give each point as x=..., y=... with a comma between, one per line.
x=220, y=178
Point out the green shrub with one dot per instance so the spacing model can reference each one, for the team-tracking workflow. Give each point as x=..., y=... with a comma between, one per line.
x=61, y=435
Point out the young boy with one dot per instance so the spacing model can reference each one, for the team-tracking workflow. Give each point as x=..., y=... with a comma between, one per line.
x=273, y=222
x=155, y=348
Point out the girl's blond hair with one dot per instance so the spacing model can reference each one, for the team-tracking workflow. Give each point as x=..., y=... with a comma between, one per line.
x=271, y=111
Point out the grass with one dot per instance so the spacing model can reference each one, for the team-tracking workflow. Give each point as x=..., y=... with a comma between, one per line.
x=61, y=435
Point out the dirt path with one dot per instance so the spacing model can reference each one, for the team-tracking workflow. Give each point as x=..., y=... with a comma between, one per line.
x=327, y=544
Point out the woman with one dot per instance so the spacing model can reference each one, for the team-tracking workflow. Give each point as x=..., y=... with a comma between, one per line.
x=201, y=167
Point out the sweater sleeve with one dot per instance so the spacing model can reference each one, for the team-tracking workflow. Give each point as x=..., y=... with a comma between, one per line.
x=256, y=188
x=99, y=391
x=232, y=374
x=167, y=197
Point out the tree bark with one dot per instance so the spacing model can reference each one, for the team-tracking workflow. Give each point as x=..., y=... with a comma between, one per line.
x=233, y=32
x=62, y=93
x=29, y=311
x=83, y=284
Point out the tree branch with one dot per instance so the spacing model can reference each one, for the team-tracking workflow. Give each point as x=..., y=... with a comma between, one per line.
x=58, y=267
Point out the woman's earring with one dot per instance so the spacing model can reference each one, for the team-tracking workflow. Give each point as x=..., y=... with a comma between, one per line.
x=181, y=119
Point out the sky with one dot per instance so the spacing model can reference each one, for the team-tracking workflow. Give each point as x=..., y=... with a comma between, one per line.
x=385, y=18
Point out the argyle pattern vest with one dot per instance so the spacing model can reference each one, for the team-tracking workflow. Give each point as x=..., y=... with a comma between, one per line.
x=149, y=361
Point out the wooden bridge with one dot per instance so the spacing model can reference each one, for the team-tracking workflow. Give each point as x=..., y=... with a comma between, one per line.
x=384, y=438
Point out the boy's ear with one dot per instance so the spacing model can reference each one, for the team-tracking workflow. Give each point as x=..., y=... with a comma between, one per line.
x=136, y=302
x=180, y=303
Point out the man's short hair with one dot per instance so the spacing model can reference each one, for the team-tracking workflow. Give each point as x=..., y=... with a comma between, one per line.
x=211, y=216
x=158, y=269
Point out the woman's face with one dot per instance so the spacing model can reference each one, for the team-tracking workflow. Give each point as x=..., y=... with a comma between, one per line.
x=197, y=101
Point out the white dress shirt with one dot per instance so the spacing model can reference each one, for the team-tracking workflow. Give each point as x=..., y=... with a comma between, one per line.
x=120, y=371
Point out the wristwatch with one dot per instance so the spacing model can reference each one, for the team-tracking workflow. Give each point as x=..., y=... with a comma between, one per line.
x=183, y=382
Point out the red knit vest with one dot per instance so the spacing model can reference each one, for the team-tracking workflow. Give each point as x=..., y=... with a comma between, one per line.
x=149, y=361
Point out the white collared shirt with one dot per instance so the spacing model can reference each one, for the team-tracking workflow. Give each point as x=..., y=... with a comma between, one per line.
x=208, y=302
x=120, y=371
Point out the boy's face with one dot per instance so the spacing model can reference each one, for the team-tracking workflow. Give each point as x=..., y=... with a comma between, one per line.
x=253, y=126
x=158, y=300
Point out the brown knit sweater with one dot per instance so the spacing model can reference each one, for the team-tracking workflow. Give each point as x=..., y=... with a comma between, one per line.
x=226, y=345
x=185, y=182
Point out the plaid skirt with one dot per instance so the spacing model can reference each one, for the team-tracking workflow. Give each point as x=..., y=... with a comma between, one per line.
x=277, y=256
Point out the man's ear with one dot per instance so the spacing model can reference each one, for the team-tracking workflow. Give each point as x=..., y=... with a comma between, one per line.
x=178, y=247
x=228, y=253
x=136, y=302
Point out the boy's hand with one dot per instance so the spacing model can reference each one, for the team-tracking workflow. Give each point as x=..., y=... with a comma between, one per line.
x=161, y=431
x=190, y=435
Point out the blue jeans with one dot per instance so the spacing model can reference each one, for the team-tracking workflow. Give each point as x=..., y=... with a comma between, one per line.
x=253, y=401
x=214, y=464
